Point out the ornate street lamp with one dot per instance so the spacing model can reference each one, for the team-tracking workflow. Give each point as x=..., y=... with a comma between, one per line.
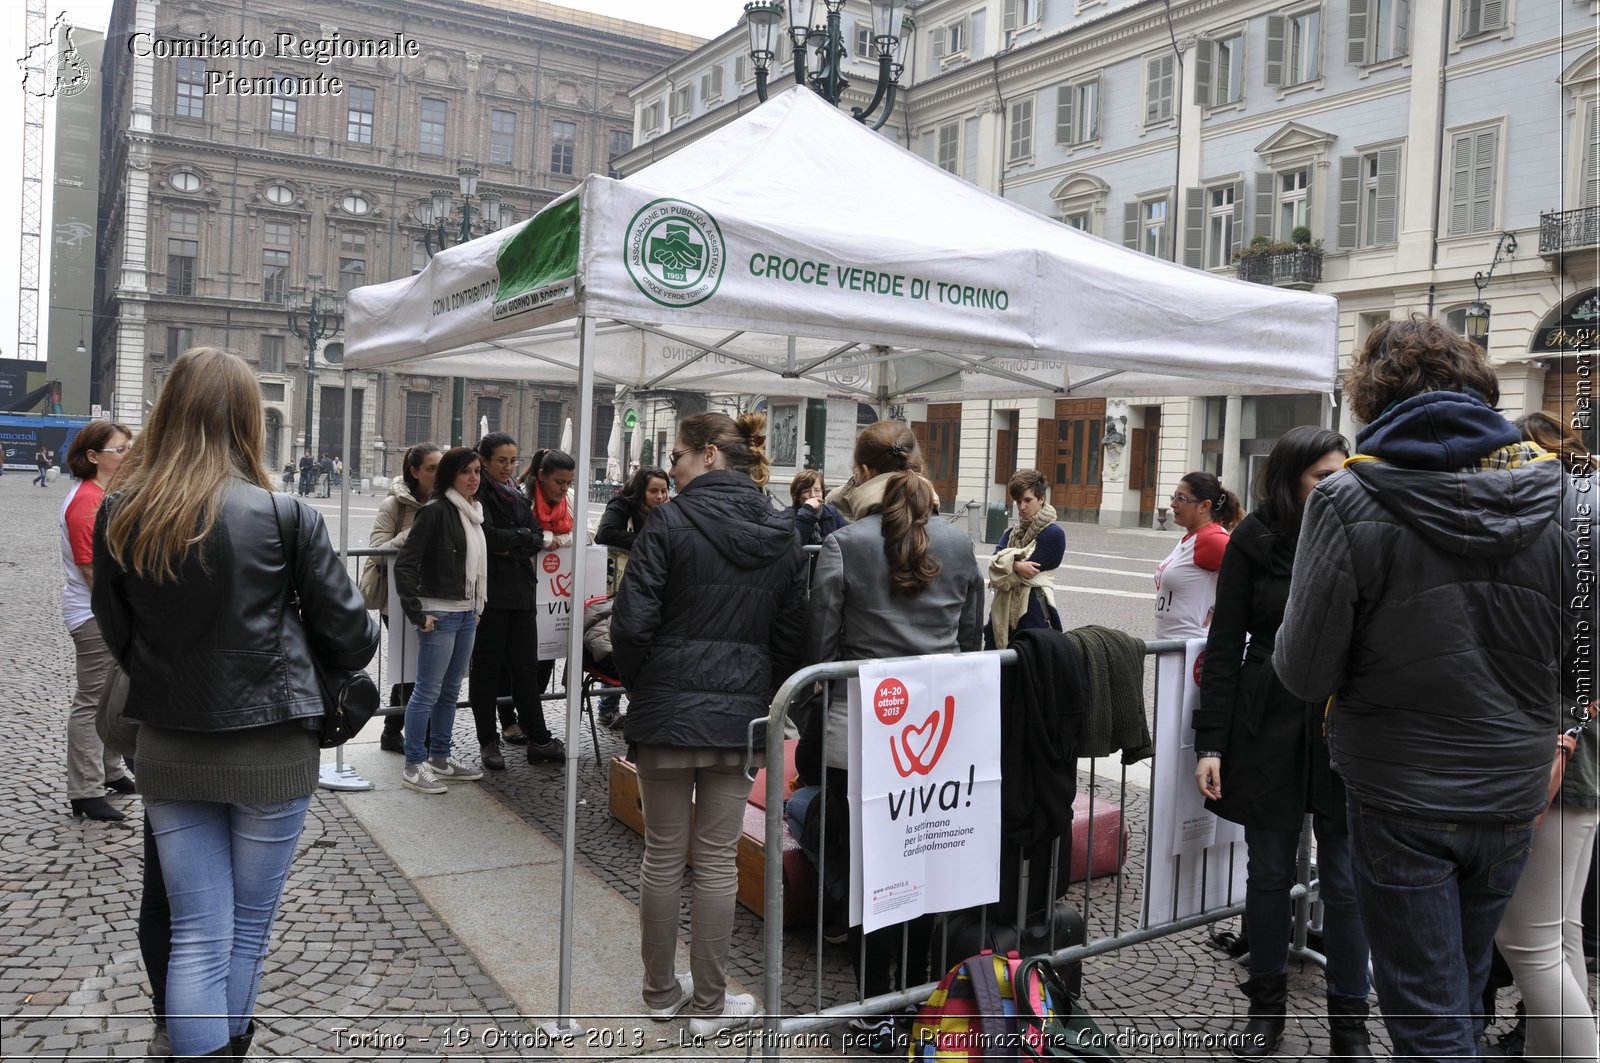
x=434, y=211
x=1477, y=315
x=824, y=44
x=315, y=313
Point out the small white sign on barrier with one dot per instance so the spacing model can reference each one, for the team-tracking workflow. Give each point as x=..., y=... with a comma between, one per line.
x=924, y=788
x=402, y=636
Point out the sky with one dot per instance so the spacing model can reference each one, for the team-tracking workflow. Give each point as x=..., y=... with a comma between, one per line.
x=703, y=18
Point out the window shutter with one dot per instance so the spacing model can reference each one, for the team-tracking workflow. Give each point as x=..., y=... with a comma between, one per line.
x=1194, y=227
x=1265, y=201
x=1238, y=215
x=1169, y=234
x=1008, y=22
x=1065, y=115
x=1275, y=33
x=1130, y=224
x=1158, y=89
x=1461, y=185
x=1087, y=96
x=1591, y=157
x=930, y=147
x=1484, y=150
x=1349, y=201
x=1204, y=64
x=936, y=42
x=1355, y=45
x=705, y=86
x=716, y=81
x=969, y=151
x=1492, y=15
x=1402, y=27
x=1388, y=196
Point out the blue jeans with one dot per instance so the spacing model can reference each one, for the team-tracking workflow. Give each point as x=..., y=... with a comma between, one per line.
x=1268, y=911
x=224, y=866
x=1432, y=894
x=442, y=658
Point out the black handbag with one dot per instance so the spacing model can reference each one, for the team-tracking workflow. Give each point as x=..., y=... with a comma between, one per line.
x=349, y=697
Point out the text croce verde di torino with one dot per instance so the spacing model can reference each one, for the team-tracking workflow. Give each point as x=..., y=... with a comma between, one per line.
x=281, y=45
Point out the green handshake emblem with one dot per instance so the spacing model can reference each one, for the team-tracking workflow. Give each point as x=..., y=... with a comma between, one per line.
x=675, y=254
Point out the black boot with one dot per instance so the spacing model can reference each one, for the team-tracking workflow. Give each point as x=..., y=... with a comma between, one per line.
x=1347, y=1028
x=240, y=1046
x=1268, y=995
x=95, y=808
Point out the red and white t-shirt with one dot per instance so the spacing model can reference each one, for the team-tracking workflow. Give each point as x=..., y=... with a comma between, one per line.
x=77, y=548
x=1186, y=583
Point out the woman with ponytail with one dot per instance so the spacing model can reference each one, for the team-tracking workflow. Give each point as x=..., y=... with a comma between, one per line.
x=1186, y=582
x=896, y=583
x=706, y=626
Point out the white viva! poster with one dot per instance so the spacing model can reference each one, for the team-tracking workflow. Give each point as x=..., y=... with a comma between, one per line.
x=924, y=787
x=554, y=606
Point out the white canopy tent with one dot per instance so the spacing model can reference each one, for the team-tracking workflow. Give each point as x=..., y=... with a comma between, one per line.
x=795, y=252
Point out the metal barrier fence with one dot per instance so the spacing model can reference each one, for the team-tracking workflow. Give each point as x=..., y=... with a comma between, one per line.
x=779, y=1024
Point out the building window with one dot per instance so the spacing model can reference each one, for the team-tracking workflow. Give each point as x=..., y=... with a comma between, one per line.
x=1474, y=159
x=1158, y=87
x=431, y=128
x=948, y=149
x=183, y=223
x=1219, y=71
x=502, y=137
x=352, y=260
x=489, y=410
x=1293, y=202
x=277, y=232
x=1078, y=220
x=549, y=425
x=950, y=39
x=711, y=84
x=272, y=354
x=682, y=102
x=186, y=181
x=419, y=257
x=419, y=417
x=178, y=341
x=191, y=100
x=1369, y=198
x=272, y=440
x=563, y=143
x=358, y=119
x=1294, y=48
x=272, y=393
x=355, y=204
x=1078, y=112
x=1146, y=226
x=741, y=70
x=1020, y=148
x=1481, y=16
x=650, y=118
x=333, y=354
x=620, y=142
x=1590, y=184
x=1020, y=14
x=285, y=108
x=1221, y=225
x=864, y=41
x=180, y=266
x=1377, y=31
x=274, y=276
x=281, y=195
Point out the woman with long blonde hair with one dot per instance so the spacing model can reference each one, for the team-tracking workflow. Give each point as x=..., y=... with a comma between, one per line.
x=216, y=598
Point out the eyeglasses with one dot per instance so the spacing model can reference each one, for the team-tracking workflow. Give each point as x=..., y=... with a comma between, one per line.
x=676, y=454
x=1183, y=499
x=115, y=450
x=502, y=460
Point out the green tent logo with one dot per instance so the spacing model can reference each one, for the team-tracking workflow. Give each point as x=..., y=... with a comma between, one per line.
x=675, y=253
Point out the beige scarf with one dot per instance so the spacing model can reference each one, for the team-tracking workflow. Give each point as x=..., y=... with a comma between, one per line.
x=1011, y=591
x=477, y=566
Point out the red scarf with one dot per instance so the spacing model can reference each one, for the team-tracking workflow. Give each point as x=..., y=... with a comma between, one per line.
x=556, y=518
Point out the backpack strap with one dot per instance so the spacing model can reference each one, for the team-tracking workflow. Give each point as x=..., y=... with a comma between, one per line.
x=999, y=1025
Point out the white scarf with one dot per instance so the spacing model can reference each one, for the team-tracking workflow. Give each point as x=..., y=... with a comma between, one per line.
x=477, y=584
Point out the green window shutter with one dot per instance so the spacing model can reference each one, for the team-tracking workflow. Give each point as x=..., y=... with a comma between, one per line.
x=1204, y=64
x=1275, y=50
x=1064, y=114
x=1460, y=185
x=1387, y=229
x=930, y=147
x=1158, y=89
x=1485, y=147
x=1493, y=14
x=936, y=45
x=1238, y=215
x=1130, y=224
x=1402, y=27
x=1194, y=227
x=1349, y=202
x=1355, y=45
x=1008, y=22
x=1265, y=202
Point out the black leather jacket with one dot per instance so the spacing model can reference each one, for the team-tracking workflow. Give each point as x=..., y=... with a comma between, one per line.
x=220, y=647
x=433, y=562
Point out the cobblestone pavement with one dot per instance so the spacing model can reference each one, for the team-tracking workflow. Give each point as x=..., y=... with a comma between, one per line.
x=356, y=948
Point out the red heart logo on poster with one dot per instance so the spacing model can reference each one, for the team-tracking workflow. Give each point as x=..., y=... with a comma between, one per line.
x=561, y=586
x=917, y=741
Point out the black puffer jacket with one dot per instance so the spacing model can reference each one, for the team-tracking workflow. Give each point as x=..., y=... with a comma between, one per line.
x=218, y=648
x=710, y=615
x=1274, y=759
x=510, y=535
x=1428, y=593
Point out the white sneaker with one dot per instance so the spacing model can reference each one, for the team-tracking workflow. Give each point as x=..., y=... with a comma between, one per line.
x=737, y=1011
x=685, y=994
x=452, y=769
x=420, y=777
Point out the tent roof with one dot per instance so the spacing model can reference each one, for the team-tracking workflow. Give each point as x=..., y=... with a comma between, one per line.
x=892, y=277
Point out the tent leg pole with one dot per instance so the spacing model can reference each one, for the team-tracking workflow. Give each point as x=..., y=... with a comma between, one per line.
x=566, y=1024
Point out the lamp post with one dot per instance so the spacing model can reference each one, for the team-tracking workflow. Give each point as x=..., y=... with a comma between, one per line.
x=1477, y=315
x=314, y=315
x=434, y=211
x=825, y=45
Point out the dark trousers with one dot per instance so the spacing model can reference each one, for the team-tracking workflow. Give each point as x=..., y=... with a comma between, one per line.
x=155, y=925
x=508, y=638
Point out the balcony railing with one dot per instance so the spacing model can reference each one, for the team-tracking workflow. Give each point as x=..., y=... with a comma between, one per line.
x=1300, y=268
x=1561, y=231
